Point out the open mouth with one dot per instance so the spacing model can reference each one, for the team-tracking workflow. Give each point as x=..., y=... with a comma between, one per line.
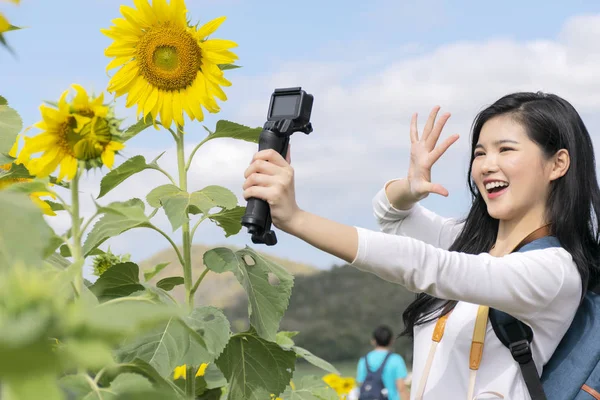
x=496, y=188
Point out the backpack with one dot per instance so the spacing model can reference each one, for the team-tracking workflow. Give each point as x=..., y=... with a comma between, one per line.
x=573, y=371
x=372, y=388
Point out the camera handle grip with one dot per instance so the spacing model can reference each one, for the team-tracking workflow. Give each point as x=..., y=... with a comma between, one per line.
x=258, y=213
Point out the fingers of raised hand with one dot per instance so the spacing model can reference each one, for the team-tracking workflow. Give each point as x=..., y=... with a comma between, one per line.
x=430, y=121
x=434, y=135
x=414, y=133
x=441, y=149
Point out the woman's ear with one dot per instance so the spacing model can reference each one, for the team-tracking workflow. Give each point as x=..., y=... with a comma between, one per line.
x=560, y=164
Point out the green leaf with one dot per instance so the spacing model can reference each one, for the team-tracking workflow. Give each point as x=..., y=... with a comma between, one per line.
x=310, y=388
x=176, y=206
x=268, y=285
x=228, y=129
x=314, y=360
x=58, y=261
x=170, y=282
x=16, y=171
x=213, y=377
x=3, y=101
x=10, y=125
x=127, y=316
x=93, y=354
x=136, y=128
x=149, y=274
x=120, y=280
x=212, y=196
x=29, y=187
x=53, y=244
x=24, y=234
x=225, y=67
x=142, y=367
x=166, y=347
x=6, y=159
x=13, y=28
x=255, y=368
x=229, y=220
x=126, y=386
x=66, y=252
x=210, y=394
x=55, y=206
x=34, y=387
x=220, y=259
x=213, y=326
x=154, y=197
x=284, y=338
x=118, y=218
x=116, y=176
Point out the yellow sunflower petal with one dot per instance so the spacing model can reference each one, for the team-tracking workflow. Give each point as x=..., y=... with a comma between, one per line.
x=210, y=27
x=218, y=44
x=177, y=108
x=45, y=207
x=202, y=369
x=81, y=99
x=145, y=9
x=179, y=372
x=166, y=115
x=161, y=10
x=4, y=24
x=108, y=158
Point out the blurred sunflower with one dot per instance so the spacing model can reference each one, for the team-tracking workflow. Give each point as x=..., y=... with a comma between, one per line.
x=167, y=66
x=35, y=196
x=4, y=24
x=83, y=130
x=180, y=372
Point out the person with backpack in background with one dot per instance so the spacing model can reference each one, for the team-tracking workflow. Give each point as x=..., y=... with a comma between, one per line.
x=528, y=249
x=381, y=373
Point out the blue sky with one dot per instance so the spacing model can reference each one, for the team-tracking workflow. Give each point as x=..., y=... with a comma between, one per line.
x=369, y=65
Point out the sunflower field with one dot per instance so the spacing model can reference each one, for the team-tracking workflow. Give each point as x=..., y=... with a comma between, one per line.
x=120, y=337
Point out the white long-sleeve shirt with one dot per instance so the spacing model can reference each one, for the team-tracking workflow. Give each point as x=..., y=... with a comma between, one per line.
x=542, y=288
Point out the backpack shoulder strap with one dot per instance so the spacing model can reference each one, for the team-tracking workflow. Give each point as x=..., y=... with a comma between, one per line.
x=380, y=369
x=517, y=336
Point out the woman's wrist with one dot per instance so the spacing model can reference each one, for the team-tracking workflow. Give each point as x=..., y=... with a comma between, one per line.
x=398, y=194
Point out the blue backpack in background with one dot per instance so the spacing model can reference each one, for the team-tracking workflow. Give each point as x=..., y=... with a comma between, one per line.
x=373, y=388
x=573, y=371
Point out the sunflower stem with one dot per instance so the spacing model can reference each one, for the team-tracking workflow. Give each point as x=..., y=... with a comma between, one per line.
x=76, y=252
x=190, y=380
x=185, y=229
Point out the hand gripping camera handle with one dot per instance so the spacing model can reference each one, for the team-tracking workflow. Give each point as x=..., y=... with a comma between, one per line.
x=258, y=214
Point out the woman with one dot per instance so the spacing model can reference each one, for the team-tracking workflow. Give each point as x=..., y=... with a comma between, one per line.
x=532, y=167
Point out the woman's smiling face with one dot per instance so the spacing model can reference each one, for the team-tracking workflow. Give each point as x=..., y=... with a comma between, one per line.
x=510, y=170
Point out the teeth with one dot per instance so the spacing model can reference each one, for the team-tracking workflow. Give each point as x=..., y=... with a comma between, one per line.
x=492, y=185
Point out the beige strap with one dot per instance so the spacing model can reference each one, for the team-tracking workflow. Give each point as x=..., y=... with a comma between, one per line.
x=477, y=346
x=438, y=333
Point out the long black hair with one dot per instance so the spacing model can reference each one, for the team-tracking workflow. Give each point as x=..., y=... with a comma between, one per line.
x=573, y=205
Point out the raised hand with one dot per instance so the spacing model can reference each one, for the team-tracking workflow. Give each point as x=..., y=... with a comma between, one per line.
x=424, y=153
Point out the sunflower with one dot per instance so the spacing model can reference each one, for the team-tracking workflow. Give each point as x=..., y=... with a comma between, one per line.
x=35, y=196
x=180, y=371
x=4, y=24
x=167, y=66
x=83, y=130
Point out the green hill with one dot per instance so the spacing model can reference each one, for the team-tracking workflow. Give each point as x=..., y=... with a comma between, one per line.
x=335, y=312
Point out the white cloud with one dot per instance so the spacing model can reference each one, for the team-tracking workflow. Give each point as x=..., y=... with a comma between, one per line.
x=361, y=116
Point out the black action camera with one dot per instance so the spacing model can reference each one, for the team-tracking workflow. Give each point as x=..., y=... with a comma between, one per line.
x=289, y=112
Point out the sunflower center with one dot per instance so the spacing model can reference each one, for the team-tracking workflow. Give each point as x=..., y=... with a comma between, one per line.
x=169, y=57
x=91, y=142
x=165, y=57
